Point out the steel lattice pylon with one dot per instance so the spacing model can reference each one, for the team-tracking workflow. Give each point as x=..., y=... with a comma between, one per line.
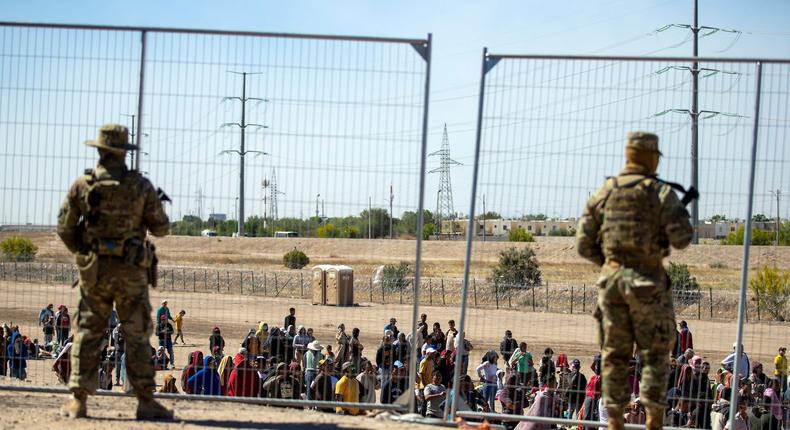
x=444, y=197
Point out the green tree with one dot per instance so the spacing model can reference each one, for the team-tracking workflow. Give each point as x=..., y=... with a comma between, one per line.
x=295, y=259
x=759, y=237
x=428, y=230
x=517, y=268
x=685, y=289
x=760, y=218
x=771, y=288
x=534, y=217
x=18, y=249
x=379, y=222
x=327, y=231
x=491, y=215
x=716, y=218
x=407, y=225
x=520, y=235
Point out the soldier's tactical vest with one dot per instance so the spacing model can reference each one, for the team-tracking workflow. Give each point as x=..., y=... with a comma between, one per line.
x=115, y=209
x=631, y=220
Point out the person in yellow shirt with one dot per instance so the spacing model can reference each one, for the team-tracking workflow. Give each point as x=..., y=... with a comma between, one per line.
x=427, y=366
x=780, y=369
x=179, y=324
x=347, y=389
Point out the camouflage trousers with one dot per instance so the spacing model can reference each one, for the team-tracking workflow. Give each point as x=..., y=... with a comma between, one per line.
x=127, y=287
x=634, y=309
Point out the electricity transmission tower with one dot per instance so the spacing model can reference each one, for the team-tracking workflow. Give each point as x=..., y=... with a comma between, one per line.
x=242, y=151
x=444, y=198
x=778, y=195
x=694, y=113
x=274, y=191
x=199, y=200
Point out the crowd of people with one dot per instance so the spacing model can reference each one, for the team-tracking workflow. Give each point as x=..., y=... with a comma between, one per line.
x=288, y=362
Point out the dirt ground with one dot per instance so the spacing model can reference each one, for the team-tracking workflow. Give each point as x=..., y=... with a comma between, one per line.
x=114, y=413
x=713, y=265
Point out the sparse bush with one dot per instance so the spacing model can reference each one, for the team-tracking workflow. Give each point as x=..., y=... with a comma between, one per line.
x=759, y=237
x=771, y=288
x=517, y=268
x=295, y=259
x=685, y=289
x=18, y=249
x=718, y=265
x=519, y=235
x=396, y=276
x=563, y=232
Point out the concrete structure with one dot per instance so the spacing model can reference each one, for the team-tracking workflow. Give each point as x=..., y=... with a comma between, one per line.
x=503, y=227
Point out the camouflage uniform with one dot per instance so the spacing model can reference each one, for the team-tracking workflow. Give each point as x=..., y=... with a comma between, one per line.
x=104, y=221
x=627, y=228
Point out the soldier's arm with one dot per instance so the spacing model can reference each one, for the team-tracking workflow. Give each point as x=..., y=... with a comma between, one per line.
x=69, y=218
x=154, y=214
x=675, y=219
x=587, y=231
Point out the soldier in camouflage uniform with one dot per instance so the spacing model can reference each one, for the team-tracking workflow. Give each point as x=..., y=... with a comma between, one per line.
x=104, y=222
x=627, y=228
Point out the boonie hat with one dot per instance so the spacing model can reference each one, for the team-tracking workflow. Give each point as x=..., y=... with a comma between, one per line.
x=112, y=137
x=643, y=141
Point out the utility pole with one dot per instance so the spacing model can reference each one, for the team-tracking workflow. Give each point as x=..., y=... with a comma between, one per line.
x=694, y=113
x=370, y=209
x=392, y=197
x=134, y=142
x=484, y=217
x=695, y=124
x=242, y=151
x=778, y=195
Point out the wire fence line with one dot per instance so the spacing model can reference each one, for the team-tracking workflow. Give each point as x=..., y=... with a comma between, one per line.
x=553, y=297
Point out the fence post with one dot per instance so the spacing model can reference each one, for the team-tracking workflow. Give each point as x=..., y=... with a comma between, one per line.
x=430, y=291
x=194, y=281
x=401, y=292
x=571, y=299
x=509, y=303
x=218, y=281
x=252, y=279
x=710, y=291
x=301, y=285
x=370, y=281
x=382, y=293
x=474, y=288
x=584, y=298
x=173, y=279
x=184, y=278
x=227, y=280
x=496, y=294
x=276, y=292
x=533, y=298
x=264, y=284
x=699, y=307
x=241, y=283
x=443, y=302
x=758, y=308
x=547, y=296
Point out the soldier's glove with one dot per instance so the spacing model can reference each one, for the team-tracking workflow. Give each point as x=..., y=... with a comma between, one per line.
x=691, y=195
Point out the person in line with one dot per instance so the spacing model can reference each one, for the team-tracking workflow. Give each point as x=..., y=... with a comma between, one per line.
x=508, y=346
x=62, y=325
x=487, y=373
x=356, y=348
x=576, y=388
x=282, y=385
x=169, y=385
x=343, y=341
x=385, y=356
x=311, y=359
x=164, y=331
x=543, y=406
x=369, y=382
x=216, y=340
x=244, y=380
x=17, y=356
x=206, y=381
x=194, y=365
x=62, y=364
x=780, y=369
x=392, y=326
x=396, y=385
x=322, y=388
x=435, y=393
x=290, y=319
x=347, y=390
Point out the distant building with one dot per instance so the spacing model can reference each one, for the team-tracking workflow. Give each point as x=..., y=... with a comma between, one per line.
x=503, y=227
x=217, y=217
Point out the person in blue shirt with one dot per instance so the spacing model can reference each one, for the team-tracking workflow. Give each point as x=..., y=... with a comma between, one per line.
x=206, y=380
x=163, y=310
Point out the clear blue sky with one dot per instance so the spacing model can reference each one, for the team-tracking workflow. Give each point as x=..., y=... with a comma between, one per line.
x=460, y=30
